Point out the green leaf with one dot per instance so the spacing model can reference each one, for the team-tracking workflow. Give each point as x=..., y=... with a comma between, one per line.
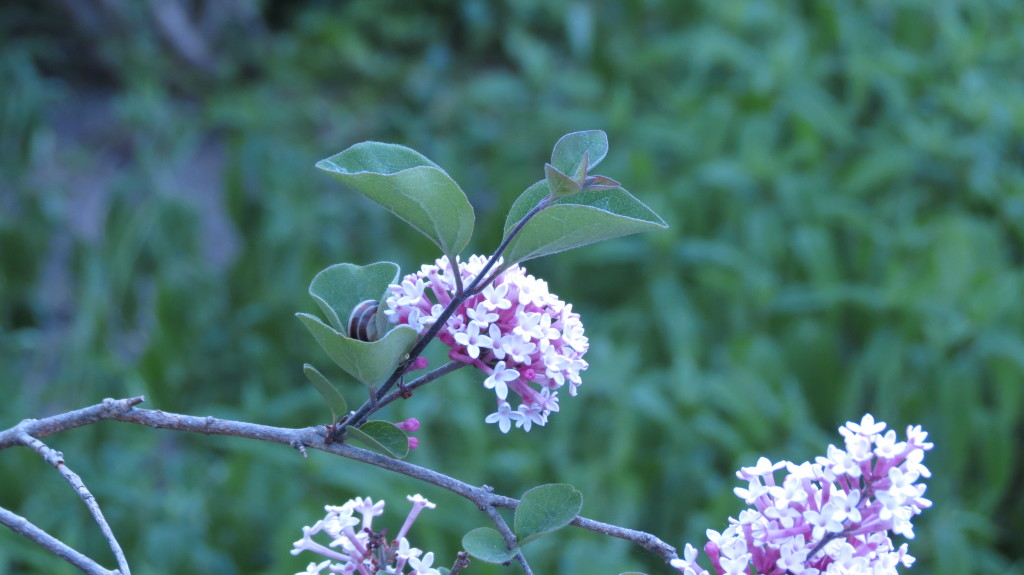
x=335, y=401
x=573, y=221
x=382, y=437
x=600, y=183
x=486, y=544
x=526, y=201
x=410, y=186
x=338, y=288
x=559, y=184
x=570, y=149
x=369, y=362
x=544, y=509
x=581, y=170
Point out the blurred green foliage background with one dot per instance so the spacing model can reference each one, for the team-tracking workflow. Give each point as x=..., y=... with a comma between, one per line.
x=844, y=183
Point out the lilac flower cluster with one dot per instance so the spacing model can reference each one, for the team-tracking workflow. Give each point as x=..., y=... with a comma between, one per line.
x=828, y=517
x=366, y=552
x=523, y=337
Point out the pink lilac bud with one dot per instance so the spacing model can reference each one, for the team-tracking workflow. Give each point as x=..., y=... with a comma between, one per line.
x=418, y=364
x=410, y=425
x=364, y=550
x=830, y=517
x=528, y=342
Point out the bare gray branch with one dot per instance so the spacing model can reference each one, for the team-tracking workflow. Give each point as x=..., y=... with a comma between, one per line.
x=310, y=437
x=19, y=524
x=56, y=459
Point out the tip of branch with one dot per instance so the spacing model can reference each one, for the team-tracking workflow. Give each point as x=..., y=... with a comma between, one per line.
x=124, y=404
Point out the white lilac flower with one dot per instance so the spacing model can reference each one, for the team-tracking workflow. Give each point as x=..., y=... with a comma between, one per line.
x=499, y=378
x=423, y=566
x=527, y=341
x=830, y=517
x=529, y=415
x=503, y=417
x=365, y=551
x=472, y=340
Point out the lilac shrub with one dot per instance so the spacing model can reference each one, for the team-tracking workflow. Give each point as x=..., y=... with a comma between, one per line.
x=832, y=516
x=523, y=337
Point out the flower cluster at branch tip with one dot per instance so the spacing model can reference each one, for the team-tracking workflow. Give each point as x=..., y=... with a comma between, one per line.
x=366, y=552
x=828, y=517
x=523, y=337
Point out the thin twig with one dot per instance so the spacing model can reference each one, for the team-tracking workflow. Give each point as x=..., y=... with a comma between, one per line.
x=507, y=535
x=503, y=528
x=457, y=273
x=379, y=399
x=56, y=459
x=461, y=562
x=421, y=381
x=312, y=438
x=19, y=524
x=642, y=538
x=522, y=561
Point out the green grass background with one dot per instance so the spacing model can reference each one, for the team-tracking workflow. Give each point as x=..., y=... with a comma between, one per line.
x=843, y=182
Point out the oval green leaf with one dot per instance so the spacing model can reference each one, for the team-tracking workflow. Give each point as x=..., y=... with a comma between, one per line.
x=573, y=221
x=544, y=509
x=369, y=362
x=338, y=288
x=410, y=186
x=331, y=394
x=567, y=156
x=381, y=436
x=486, y=544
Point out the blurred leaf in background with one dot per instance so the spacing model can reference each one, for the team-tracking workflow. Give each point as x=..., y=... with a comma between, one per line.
x=844, y=185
